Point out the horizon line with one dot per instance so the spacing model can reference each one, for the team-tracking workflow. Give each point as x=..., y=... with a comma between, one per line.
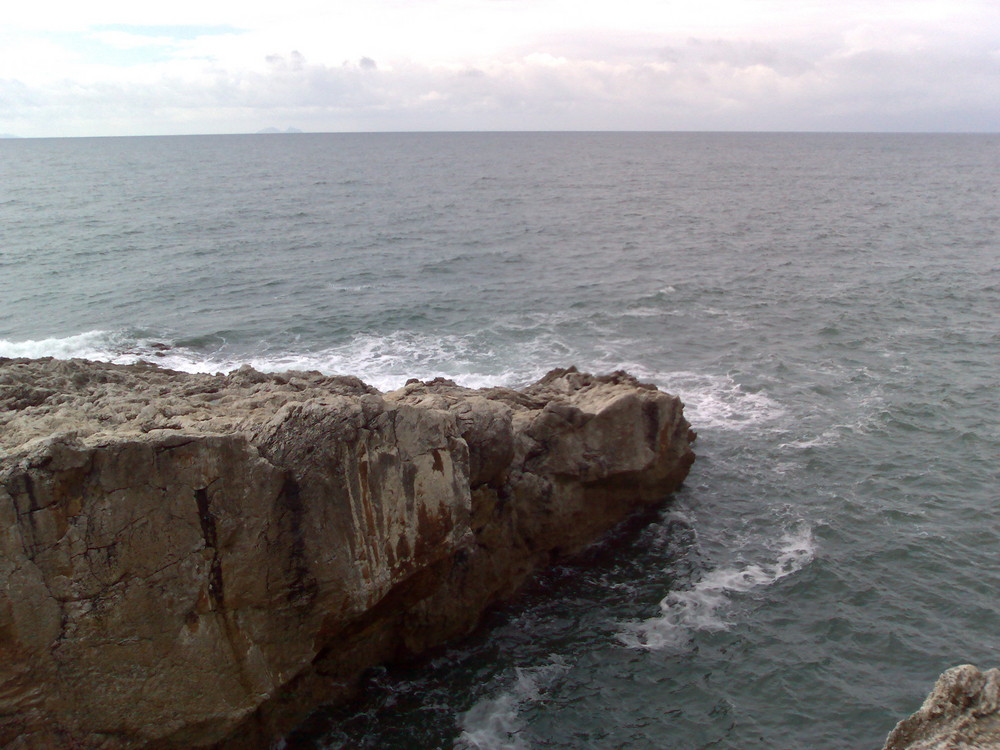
x=296, y=132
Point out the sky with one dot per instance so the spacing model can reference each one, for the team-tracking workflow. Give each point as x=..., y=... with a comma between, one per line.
x=120, y=67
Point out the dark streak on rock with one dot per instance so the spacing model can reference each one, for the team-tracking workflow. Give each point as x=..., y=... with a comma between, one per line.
x=302, y=587
x=29, y=490
x=410, y=485
x=651, y=413
x=26, y=489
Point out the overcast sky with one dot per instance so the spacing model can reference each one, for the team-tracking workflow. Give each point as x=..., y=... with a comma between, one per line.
x=121, y=67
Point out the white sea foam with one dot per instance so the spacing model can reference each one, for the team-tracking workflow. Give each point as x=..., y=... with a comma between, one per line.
x=495, y=723
x=384, y=361
x=854, y=413
x=116, y=347
x=388, y=360
x=712, y=401
x=645, y=312
x=704, y=606
x=827, y=437
x=89, y=345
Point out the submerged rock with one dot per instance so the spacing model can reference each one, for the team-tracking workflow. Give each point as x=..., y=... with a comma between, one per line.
x=200, y=560
x=961, y=713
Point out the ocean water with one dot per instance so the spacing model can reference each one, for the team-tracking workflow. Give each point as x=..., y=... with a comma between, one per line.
x=827, y=306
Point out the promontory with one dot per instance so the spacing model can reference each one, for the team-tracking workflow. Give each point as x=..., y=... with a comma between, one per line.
x=193, y=561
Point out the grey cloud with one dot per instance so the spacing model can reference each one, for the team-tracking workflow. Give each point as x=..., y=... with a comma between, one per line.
x=694, y=84
x=743, y=54
x=295, y=61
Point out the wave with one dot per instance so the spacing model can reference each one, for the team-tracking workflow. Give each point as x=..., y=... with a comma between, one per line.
x=704, y=605
x=495, y=723
x=715, y=402
x=384, y=361
x=102, y=346
x=388, y=360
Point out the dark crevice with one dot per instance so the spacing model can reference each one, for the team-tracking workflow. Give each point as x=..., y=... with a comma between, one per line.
x=29, y=490
x=208, y=531
x=30, y=532
x=172, y=446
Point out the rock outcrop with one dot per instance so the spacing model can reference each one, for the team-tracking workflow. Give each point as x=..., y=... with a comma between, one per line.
x=197, y=561
x=961, y=713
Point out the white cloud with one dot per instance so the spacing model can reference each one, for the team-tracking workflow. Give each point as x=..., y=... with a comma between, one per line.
x=456, y=64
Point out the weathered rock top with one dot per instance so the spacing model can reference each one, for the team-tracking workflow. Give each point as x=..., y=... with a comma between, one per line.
x=40, y=398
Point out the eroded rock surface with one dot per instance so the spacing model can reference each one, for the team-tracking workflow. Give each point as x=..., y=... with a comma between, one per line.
x=961, y=713
x=199, y=560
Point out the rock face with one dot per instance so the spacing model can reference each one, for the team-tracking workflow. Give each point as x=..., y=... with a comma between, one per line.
x=198, y=561
x=961, y=713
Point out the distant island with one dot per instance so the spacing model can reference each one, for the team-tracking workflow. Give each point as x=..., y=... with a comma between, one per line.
x=9, y=135
x=269, y=131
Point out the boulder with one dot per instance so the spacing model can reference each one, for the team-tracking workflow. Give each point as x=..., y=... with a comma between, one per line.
x=195, y=561
x=961, y=713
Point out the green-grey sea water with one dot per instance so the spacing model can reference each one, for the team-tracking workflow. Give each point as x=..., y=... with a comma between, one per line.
x=827, y=306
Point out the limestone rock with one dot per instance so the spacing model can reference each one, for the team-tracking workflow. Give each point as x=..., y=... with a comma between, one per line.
x=199, y=560
x=961, y=713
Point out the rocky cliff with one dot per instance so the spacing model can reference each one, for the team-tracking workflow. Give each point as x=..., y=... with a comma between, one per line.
x=193, y=561
x=961, y=713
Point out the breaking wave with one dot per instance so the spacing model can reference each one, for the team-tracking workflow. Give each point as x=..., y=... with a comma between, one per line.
x=495, y=723
x=388, y=360
x=704, y=606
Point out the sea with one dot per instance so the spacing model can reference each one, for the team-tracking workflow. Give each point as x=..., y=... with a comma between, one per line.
x=827, y=306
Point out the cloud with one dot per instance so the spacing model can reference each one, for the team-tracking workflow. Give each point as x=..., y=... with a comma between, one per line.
x=294, y=62
x=875, y=90
x=496, y=64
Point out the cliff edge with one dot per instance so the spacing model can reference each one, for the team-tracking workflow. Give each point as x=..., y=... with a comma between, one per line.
x=196, y=561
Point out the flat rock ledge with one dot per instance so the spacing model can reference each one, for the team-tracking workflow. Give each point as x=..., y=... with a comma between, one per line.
x=961, y=713
x=194, y=561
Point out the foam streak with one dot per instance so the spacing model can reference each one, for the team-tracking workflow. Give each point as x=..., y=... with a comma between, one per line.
x=703, y=607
